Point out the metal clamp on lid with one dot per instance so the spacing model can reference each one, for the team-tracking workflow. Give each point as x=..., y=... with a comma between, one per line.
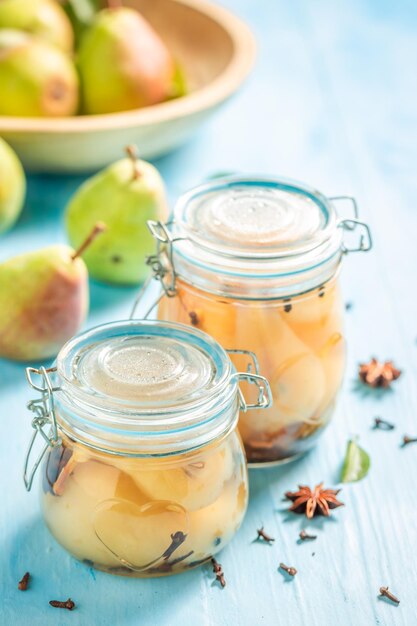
x=264, y=400
x=44, y=411
x=161, y=264
x=350, y=224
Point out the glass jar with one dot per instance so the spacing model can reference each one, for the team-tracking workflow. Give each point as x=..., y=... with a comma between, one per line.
x=255, y=262
x=143, y=471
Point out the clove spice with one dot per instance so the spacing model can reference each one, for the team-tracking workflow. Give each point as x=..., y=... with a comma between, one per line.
x=218, y=570
x=383, y=424
x=176, y=540
x=305, y=536
x=262, y=535
x=68, y=604
x=23, y=584
x=290, y=570
x=407, y=440
x=193, y=318
x=384, y=591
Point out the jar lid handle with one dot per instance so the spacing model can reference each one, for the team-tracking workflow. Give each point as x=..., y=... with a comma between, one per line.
x=161, y=264
x=44, y=410
x=350, y=223
x=264, y=400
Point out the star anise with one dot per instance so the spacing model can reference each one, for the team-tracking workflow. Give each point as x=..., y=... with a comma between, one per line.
x=378, y=374
x=318, y=501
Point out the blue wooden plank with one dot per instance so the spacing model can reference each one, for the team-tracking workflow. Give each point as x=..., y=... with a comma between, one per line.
x=333, y=102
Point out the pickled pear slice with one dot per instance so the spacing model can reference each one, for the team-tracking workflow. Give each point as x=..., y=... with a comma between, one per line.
x=141, y=537
x=298, y=386
x=102, y=482
x=294, y=372
x=69, y=517
x=213, y=316
x=314, y=319
x=314, y=306
x=212, y=527
x=195, y=483
x=332, y=357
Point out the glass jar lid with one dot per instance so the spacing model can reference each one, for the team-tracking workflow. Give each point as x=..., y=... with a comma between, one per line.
x=255, y=218
x=139, y=388
x=146, y=387
x=255, y=230
x=143, y=366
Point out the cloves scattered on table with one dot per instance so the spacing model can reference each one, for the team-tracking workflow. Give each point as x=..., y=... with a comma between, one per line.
x=407, y=440
x=290, y=570
x=217, y=569
x=262, y=535
x=378, y=374
x=23, y=584
x=384, y=591
x=305, y=536
x=383, y=424
x=68, y=604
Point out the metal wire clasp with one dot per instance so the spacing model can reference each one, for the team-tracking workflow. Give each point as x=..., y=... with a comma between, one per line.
x=365, y=239
x=44, y=411
x=252, y=376
x=161, y=264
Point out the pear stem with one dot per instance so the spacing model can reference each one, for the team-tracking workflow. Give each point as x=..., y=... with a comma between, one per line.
x=100, y=227
x=131, y=152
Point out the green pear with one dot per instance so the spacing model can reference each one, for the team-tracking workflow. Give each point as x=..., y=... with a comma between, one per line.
x=43, y=300
x=123, y=63
x=36, y=78
x=44, y=18
x=124, y=196
x=10, y=38
x=12, y=187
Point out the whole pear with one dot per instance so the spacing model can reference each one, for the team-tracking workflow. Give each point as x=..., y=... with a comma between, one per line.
x=124, y=196
x=36, y=78
x=43, y=301
x=44, y=18
x=12, y=187
x=123, y=63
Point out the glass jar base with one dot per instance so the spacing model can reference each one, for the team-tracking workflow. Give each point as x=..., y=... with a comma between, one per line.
x=155, y=573
x=264, y=456
x=278, y=462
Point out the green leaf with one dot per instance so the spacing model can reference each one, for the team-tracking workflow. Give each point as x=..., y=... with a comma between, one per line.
x=356, y=464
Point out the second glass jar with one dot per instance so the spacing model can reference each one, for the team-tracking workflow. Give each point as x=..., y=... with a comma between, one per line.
x=255, y=263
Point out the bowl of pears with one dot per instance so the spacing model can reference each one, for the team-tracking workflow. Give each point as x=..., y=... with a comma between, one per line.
x=79, y=80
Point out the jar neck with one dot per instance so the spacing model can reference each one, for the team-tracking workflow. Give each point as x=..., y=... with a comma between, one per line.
x=255, y=285
x=139, y=435
x=254, y=238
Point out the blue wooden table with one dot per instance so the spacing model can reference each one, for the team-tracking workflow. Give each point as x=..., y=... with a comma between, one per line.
x=332, y=102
